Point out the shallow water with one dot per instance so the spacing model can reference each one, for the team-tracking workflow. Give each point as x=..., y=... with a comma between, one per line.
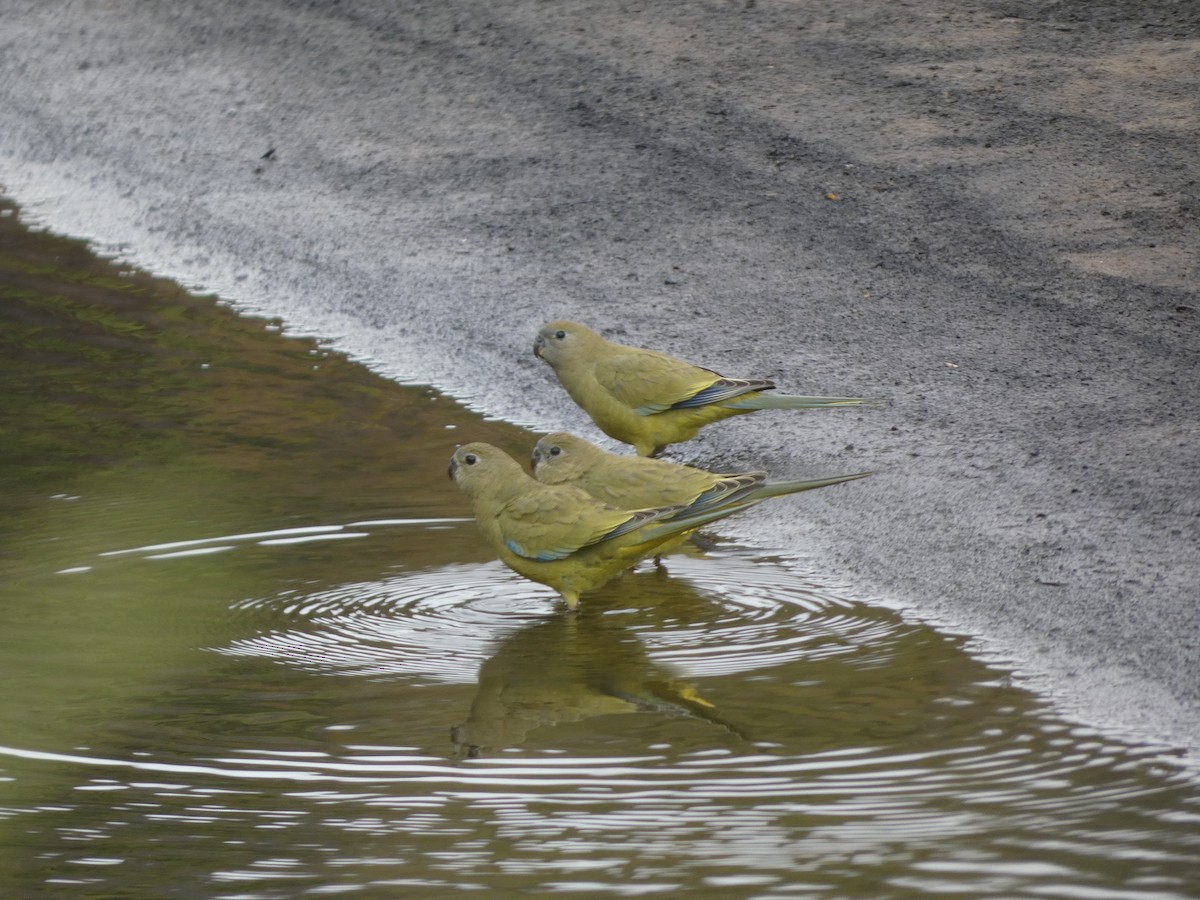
x=251, y=649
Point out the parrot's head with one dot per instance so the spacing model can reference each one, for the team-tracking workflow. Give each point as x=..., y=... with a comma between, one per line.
x=483, y=470
x=561, y=458
x=559, y=341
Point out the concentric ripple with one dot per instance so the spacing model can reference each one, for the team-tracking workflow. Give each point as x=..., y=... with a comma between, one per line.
x=434, y=625
x=717, y=724
x=440, y=624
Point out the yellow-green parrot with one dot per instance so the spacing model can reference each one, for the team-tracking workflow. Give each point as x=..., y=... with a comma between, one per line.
x=634, y=482
x=649, y=399
x=560, y=535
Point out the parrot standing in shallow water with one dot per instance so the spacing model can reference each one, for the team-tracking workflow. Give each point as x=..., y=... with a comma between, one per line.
x=560, y=535
x=634, y=482
x=649, y=399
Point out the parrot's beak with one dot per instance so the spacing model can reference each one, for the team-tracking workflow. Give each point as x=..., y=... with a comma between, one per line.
x=539, y=345
x=453, y=467
x=535, y=458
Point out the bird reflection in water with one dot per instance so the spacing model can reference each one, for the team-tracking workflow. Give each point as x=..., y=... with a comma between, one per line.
x=566, y=668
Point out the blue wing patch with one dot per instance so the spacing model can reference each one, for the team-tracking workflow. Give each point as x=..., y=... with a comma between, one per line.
x=540, y=556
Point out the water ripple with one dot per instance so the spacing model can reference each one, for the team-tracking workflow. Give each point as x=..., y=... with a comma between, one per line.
x=727, y=718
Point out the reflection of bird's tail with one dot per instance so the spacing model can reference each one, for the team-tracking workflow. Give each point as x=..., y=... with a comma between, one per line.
x=675, y=698
x=768, y=400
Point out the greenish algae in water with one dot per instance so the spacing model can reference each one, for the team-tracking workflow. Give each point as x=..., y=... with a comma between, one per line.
x=244, y=653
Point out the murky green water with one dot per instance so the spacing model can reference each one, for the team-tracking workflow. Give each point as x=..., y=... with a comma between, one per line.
x=249, y=650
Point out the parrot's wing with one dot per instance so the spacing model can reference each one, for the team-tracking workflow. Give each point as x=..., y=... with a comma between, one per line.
x=729, y=490
x=635, y=482
x=649, y=382
x=546, y=525
x=723, y=389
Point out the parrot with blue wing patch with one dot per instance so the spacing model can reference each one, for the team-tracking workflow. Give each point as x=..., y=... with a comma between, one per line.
x=560, y=535
x=650, y=400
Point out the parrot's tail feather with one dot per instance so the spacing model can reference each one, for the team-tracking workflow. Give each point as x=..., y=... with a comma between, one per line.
x=683, y=523
x=766, y=400
x=714, y=505
x=779, y=488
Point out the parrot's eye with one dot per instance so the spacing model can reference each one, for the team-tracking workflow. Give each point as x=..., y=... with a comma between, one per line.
x=561, y=335
x=470, y=459
x=555, y=451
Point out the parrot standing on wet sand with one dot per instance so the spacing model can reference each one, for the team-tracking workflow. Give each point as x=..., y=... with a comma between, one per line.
x=649, y=399
x=560, y=535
